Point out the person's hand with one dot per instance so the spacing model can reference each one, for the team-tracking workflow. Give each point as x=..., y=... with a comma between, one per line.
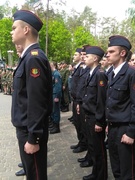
x=31, y=148
x=78, y=109
x=56, y=99
x=98, y=128
x=127, y=140
x=106, y=129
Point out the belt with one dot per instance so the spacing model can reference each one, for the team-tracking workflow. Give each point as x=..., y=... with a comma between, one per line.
x=117, y=124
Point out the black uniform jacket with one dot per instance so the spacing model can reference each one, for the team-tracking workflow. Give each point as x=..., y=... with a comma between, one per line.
x=81, y=84
x=32, y=93
x=120, y=106
x=75, y=79
x=95, y=96
x=109, y=70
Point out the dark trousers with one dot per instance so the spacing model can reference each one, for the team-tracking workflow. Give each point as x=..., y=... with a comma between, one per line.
x=97, y=149
x=122, y=156
x=80, y=126
x=55, y=116
x=65, y=98
x=35, y=165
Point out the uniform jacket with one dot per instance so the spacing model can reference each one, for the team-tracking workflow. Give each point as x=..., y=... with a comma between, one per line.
x=57, y=84
x=75, y=80
x=95, y=96
x=121, y=98
x=81, y=84
x=109, y=70
x=64, y=74
x=32, y=93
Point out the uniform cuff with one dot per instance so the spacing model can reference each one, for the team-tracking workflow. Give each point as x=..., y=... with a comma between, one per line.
x=131, y=131
x=101, y=124
x=32, y=139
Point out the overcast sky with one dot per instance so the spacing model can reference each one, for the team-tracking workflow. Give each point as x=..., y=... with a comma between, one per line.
x=104, y=8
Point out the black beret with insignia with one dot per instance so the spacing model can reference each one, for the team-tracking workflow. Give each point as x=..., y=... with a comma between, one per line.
x=118, y=40
x=84, y=47
x=79, y=50
x=95, y=50
x=28, y=17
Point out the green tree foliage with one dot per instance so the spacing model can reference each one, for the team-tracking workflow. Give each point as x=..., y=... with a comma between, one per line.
x=1, y=12
x=59, y=46
x=65, y=31
x=5, y=37
x=82, y=36
x=131, y=12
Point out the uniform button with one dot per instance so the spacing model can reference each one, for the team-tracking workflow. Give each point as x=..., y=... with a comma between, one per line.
x=85, y=94
x=38, y=138
x=109, y=98
x=110, y=87
x=107, y=108
x=106, y=119
x=37, y=142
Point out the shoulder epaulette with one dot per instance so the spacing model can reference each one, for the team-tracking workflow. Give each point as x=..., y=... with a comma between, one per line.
x=34, y=52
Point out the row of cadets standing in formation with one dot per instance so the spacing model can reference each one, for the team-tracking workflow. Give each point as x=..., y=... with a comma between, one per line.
x=104, y=108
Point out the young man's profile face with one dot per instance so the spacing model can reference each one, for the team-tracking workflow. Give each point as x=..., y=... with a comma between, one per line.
x=89, y=60
x=17, y=32
x=113, y=55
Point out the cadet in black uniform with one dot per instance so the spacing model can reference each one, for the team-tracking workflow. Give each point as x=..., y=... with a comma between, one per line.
x=94, y=107
x=120, y=109
x=32, y=95
x=82, y=144
x=85, y=161
x=107, y=68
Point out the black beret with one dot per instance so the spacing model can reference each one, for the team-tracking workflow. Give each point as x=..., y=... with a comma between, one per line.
x=29, y=18
x=95, y=50
x=79, y=50
x=84, y=47
x=118, y=40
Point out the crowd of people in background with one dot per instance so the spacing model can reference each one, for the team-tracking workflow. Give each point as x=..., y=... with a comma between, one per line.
x=6, y=81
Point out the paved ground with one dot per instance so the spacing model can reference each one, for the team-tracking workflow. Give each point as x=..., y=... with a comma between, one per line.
x=62, y=163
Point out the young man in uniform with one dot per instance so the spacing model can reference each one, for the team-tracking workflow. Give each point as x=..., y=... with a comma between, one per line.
x=32, y=95
x=120, y=109
x=19, y=50
x=94, y=108
x=82, y=143
x=86, y=161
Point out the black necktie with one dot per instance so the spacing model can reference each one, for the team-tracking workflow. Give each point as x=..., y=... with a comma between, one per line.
x=112, y=75
x=88, y=78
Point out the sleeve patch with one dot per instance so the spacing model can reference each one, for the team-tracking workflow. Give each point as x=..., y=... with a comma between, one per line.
x=35, y=72
x=101, y=83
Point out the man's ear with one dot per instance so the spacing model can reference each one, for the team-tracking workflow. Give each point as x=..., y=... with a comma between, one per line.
x=123, y=53
x=26, y=29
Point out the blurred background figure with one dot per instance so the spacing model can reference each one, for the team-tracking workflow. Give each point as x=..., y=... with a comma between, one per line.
x=71, y=70
x=65, y=91
x=54, y=124
x=19, y=50
x=131, y=62
x=105, y=65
